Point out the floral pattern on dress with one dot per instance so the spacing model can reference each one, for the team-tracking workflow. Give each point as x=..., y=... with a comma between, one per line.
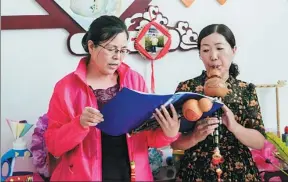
x=238, y=164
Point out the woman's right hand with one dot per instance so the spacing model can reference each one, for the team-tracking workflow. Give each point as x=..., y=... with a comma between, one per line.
x=90, y=117
x=204, y=128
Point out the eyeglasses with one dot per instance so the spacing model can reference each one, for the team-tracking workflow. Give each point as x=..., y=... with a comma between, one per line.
x=114, y=50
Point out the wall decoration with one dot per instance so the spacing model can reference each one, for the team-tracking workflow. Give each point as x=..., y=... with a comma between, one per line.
x=84, y=12
x=222, y=1
x=94, y=8
x=143, y=29
x=182, y=36
x=75, y=16
x=153, y=42
x=64, y=14
x=187, y=3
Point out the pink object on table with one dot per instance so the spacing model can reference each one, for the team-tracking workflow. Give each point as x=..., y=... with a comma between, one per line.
x=260, y=157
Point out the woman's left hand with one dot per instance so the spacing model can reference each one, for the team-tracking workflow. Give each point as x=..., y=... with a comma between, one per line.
x=170, y=125
x=228, y=119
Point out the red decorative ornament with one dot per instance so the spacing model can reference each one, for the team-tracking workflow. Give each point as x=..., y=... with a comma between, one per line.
x=217, y=158
x=153, y=42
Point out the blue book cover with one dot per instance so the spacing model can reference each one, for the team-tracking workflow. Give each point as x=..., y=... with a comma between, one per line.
x=131, y=111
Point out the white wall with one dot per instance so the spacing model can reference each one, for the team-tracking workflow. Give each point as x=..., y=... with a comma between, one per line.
x=33, y=60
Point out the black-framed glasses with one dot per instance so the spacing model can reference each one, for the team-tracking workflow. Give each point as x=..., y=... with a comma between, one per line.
x=114, y=50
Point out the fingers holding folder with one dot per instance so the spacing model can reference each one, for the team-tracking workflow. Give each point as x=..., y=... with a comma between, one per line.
x=169, y=124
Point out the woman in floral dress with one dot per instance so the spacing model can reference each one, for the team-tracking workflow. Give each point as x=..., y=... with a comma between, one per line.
x=242, y=126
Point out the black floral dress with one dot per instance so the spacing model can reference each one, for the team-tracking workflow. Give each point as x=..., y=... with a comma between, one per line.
x=238, y=165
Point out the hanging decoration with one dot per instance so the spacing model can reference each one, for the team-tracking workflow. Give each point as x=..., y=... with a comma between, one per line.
x=145, y=27
x=187, y=3
x=134, y=14
x=153, y=42
x=221, y=1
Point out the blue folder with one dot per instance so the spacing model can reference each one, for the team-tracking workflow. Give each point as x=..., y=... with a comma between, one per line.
x=131, y=111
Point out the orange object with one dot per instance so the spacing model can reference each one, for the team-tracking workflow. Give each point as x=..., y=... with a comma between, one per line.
x=205, y=104
x=217, y=158
x=215, y=86
x=222, y=1
x=214, y=73
x=191, y=110
x=187, y=3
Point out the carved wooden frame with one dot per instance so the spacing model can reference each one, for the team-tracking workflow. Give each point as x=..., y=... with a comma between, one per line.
x=58, y=18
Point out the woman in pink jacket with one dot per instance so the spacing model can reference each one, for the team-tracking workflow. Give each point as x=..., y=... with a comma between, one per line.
x=86, y=153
